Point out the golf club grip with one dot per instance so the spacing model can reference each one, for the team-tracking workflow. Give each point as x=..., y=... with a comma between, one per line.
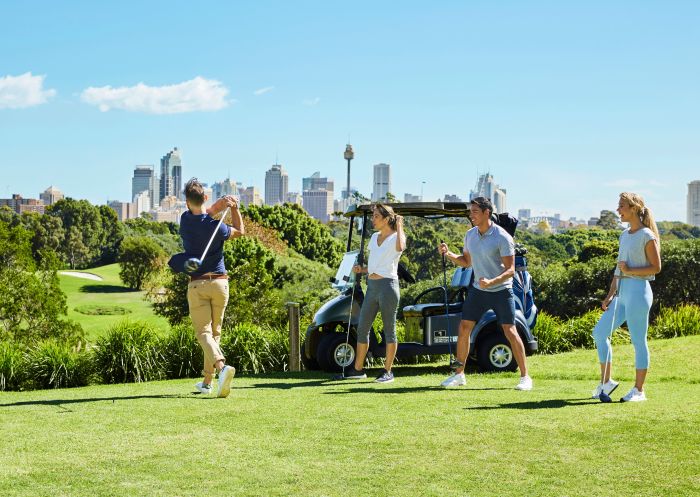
x=221, y=220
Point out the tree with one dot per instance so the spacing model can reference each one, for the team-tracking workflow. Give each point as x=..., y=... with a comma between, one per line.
x=139, y=258
x=608, y=220
x=88, y=224
x=111, y=235
x=74, y=248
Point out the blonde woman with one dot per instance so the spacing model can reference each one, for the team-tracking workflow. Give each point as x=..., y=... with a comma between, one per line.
x=385, y=248
x=630, y=297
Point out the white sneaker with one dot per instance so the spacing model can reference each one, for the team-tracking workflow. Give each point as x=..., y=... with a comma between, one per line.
x=202, y=387
x=525, y=383
x=634, y=395
x=456, y=380
x=224, y=384
x=608, y=388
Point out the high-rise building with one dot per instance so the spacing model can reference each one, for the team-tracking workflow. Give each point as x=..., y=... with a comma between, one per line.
x=171, y=175
x=316, y=182
x=487, y=187
x=381, y=182
x=319, y=204
x=276, y=185
x=694, y=203
x=250, y=196
x=225, y=187
x=144, y=180
x=409, y=197
x=142, y=203
x=524, y=214
x=124, y=210
x=51, y=195
x=294, y=198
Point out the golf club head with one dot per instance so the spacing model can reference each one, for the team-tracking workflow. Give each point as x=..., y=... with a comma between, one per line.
x=192, y=264
x=604, y=398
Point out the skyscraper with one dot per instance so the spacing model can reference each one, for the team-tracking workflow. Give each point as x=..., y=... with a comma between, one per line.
x=144, y=180
x=487, y=187
x=317, y=196
x=51, y=195
x=694, y=203
x=171, y=175
x=225, y=187
x=382, y=181
x=276, y=185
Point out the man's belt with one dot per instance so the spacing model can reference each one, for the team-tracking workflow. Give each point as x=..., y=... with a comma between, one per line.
x=209, y=276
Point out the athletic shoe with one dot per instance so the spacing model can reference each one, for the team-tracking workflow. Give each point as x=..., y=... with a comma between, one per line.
x=456, y=380
x=224, y=384
x=202, y=387
x=608, y=388
x=350, y=373
x=634, y=395
x=525, y=383
x=385, y=377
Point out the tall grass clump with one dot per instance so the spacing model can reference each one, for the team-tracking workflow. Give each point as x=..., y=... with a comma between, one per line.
x=256, y=349
x=129, y=352
x=550, y=335
x=182, y=355
x=50, y=364
x=682, y=320
x=12, y=366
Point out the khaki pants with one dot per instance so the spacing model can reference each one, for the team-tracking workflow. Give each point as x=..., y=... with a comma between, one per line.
x=207, y=300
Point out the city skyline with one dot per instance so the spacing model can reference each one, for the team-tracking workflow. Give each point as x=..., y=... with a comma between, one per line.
x=567, y=105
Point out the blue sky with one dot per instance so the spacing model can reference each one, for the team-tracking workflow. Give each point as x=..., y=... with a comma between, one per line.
x=566, y=104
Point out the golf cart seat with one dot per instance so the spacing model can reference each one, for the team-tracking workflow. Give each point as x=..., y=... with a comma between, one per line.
x=459, y=285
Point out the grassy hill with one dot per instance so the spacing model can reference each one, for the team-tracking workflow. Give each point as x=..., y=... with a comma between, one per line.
x=90, y=294
x=299, y=434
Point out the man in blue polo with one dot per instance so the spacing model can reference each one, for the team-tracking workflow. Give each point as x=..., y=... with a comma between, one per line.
x=490, y=251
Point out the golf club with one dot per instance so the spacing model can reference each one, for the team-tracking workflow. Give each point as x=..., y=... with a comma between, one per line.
x=192, y=264
x=604, y=397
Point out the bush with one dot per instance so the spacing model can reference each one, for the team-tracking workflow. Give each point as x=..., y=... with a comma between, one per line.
x=550, y=335
x=682, y=320
x=129, y=353
x=139, y=258
x=182, y=355
x=51, y=364
x=678, y=282
x=12, y=366
x=256, y=349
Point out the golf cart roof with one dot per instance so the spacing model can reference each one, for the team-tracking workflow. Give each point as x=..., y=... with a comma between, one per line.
x=420, y=209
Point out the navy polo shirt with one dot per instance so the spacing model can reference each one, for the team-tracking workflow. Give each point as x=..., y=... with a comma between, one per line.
x=196, y=230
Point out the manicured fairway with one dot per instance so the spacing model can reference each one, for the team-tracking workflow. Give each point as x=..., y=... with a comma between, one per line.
x=108, y=292
x=279, y=435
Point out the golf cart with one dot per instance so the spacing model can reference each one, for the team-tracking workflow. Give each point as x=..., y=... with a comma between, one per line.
x=432, y=321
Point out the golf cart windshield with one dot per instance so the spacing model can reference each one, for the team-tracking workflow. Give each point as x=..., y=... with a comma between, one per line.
x=345, y=276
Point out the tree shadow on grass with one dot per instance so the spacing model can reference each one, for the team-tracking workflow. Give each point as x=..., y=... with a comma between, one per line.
x=537, y=404
x=105, y=289
x=60, y=402
x=291, y=385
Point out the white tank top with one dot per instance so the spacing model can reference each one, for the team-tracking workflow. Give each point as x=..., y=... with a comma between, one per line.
x=384, y=259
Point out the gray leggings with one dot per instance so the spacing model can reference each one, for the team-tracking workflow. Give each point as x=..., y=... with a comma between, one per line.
x=382, y=295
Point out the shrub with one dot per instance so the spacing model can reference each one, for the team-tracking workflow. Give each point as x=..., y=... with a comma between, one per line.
x=550, y=335
x=682, y=320
x=182, y=355
x=256, y=349
x=139, y=258
x=578, y=331
x=129, y=352
x=12, y=366
x=51, y=364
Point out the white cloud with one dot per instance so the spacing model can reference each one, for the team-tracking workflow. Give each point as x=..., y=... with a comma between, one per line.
x=262, y=91
x=311, y=101
x=18, y=92
x=198, y=94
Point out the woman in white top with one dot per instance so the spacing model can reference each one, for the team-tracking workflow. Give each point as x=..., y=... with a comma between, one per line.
x=385, y=248
x=630, y=297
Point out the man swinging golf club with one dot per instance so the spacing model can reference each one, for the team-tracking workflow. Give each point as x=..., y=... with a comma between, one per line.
x=207, y=292
x=490, y=251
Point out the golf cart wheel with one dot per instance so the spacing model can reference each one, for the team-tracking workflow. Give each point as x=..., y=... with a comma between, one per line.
x=333, y=353
x=494, y=353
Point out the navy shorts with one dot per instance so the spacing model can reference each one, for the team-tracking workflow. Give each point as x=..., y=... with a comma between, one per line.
x=479, y=301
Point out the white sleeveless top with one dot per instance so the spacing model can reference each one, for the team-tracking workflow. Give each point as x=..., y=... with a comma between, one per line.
x=384, y=259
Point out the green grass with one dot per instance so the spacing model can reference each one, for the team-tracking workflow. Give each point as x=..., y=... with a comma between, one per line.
x=279, y=435
x=110, y=292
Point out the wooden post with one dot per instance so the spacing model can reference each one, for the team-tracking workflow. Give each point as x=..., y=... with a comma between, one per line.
x=294, y=350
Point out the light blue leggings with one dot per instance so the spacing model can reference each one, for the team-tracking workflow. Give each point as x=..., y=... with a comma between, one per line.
x=632, y=305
